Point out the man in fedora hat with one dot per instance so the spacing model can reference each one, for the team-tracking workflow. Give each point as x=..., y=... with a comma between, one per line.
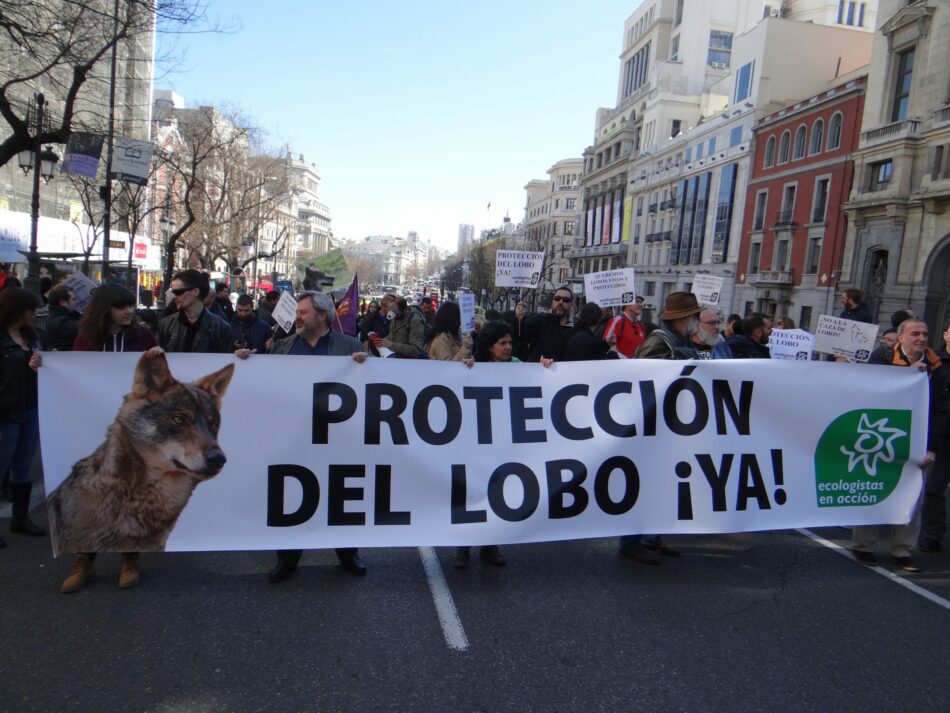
x=679, y=321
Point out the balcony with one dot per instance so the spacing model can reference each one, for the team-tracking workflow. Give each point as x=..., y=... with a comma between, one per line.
x=774, y=278
x=785, y=219
x=599, y=251
x=652, y=208
x=668, y=205
x=942, y=117
x=891, y=132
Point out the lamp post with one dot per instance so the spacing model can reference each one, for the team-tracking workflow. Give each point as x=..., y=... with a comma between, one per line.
x=43, y=160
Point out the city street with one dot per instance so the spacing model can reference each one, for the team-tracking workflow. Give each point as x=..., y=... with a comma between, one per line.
x=753, y=622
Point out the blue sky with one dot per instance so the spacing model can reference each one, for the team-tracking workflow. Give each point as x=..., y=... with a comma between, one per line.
x=415, y=113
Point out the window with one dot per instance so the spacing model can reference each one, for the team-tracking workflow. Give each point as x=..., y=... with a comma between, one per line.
x=568, y=227
x=735, y=136
x=783, y=147
x=861, y=14
x=905, y=73
x=788, y=200
x=639, y=206
x=800, y=141
x=813, y=258
x=817, y=136
x=851, y=12
x=841, y=5
x=804, y=321
x=758, y=218
x=649, y=289
x=820, y=203
x=755, y=252
x=699, y=151
x=744, y=82
x=678, y=13
x=688, y=155
x=834, y=131
x=781, y=256
x=675, y=127
x=712, y=146
x=675, y=49
x=720, y=49
x=636, y=234
x=937, y=163
x=880, y=175
x=769, y=159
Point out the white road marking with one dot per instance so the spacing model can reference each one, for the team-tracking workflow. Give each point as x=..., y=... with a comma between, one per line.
x=904, y=582
x=444, y=604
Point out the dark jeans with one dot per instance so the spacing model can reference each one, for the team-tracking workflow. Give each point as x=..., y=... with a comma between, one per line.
x=18, y=443
x=933, y=504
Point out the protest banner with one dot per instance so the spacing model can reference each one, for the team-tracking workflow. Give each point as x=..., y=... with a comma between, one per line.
x=82, y=288
x=791, y=344
x=132, y=160
x=467, y=308
x=285, y=313
x=518, y=268
x=611, y=288
x=845, y=337
x=404, y=453
x=707, y=289
x=82, y=154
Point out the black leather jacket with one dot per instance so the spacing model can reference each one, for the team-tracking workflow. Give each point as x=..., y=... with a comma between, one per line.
x=213, y=337
x=17, y=380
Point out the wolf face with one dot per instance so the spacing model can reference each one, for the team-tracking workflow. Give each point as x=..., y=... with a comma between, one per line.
x=128, y=494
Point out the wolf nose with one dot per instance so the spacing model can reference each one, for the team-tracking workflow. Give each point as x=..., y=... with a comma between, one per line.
x=215, y=459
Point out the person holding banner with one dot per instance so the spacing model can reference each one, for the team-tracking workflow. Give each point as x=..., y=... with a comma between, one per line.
x=445, y=342
x=192, y=328
x=406, y=331
x=583, y=344
x=313, y=336
x=108, y=325
x=19, y=419
x=627, y=331
x=753, y=342
x=679, y=321
x=708, y=340
x=548, y=333
x=911, y=351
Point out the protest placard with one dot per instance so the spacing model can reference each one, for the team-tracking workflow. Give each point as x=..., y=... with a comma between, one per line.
x=132, y=160
x=707, y=289
x=845, y=337
x=791, y=344
x=398, y=452
x=467, y=308
x=611, y=288
x=285, y=313
x=518, y=268
x=82, y=288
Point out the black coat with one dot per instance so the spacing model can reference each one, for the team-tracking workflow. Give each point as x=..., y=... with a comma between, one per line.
x=584, y=345
x=62, y=326
x=17, y=380
x=547, y=336
x=744, y=348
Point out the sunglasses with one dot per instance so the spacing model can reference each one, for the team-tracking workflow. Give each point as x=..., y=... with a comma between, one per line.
x=558, y=298
x=179, y=291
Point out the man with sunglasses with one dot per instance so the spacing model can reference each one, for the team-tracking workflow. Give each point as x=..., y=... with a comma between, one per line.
x=548, y=333
x=192, y=328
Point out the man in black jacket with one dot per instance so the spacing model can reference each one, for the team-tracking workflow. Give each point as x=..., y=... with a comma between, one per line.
x=753, y=342
x=192, y=328
x=548, y=333
x=62, y=325
x=854, y=308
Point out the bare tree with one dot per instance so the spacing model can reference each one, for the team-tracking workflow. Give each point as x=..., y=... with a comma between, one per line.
x=87, y=189
x=60, y=45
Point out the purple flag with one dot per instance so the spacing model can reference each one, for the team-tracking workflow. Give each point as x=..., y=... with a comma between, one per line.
x=346, y=311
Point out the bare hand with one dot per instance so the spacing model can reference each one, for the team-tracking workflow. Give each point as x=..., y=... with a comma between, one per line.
x=359, y=357
x=919, y=365
x=244, y=353
x=546, y=362
x=36, y=361
x=470, y=362
x=928, y=459
x=383, y=343
x=154, y=352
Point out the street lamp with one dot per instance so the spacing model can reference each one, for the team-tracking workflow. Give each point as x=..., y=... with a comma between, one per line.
x=46, y=160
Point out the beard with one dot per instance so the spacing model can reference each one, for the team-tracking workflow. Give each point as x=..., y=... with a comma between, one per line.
x=710, y=339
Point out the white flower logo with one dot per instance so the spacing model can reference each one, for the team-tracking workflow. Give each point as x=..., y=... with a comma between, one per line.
x=875, y=443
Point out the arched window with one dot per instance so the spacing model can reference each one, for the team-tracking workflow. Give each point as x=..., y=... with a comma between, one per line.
x=783, y=147
x=769, y=159
x=800, y=142
x=834, y=132
x=817, y=136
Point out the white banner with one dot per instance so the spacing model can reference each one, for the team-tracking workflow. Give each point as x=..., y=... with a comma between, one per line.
x=845, y=337
x=611, y=288
x=707, y=289
x=132, y=160
x=791, y=344
x=518, y=268
x=405, y=453
x=285, y=313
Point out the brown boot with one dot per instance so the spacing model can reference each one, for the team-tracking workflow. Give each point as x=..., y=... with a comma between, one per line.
x=83, y=571
x=129, y=573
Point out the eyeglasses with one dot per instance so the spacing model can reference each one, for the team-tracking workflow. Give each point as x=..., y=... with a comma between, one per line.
x=712, y=321
x=559, y=298
x=179, y=291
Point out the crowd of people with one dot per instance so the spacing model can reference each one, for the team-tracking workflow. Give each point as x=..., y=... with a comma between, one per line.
x=200, y=319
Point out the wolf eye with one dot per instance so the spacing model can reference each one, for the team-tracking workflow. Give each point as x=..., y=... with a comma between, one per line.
x=178, y=419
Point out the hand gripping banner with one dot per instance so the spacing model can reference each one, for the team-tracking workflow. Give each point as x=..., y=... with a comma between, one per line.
x=205, y=452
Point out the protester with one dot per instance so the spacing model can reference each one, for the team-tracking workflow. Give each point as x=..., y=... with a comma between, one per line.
x=428, y=311
x=911, y=351
x=784, y=323
x=902, y=315
x=733, y=326
x=221, y=307
x=626, y=329
x=108, y=325
x=583, y=344
x=854, y=308
x=192, y=328
x=547, y=334
x=406, y=332
x=446, y=342
x=19, y=422
x=62, y=324
x=315, y=314
x=933, y=508
x=708, y=341
x=265, y=307
x=889, y=338
x=247, y=331
x=753, y=342
x=517, y=321
x=679, y=321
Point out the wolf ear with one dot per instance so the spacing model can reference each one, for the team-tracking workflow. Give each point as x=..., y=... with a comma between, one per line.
x=217, y=383
x=152, y=377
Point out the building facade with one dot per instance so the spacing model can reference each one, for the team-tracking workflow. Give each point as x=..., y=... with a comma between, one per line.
x=898, y=241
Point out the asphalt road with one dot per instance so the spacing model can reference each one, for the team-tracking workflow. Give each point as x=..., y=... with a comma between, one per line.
x=752, y=622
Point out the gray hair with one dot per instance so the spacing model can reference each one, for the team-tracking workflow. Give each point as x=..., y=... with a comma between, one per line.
x=321, y=301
